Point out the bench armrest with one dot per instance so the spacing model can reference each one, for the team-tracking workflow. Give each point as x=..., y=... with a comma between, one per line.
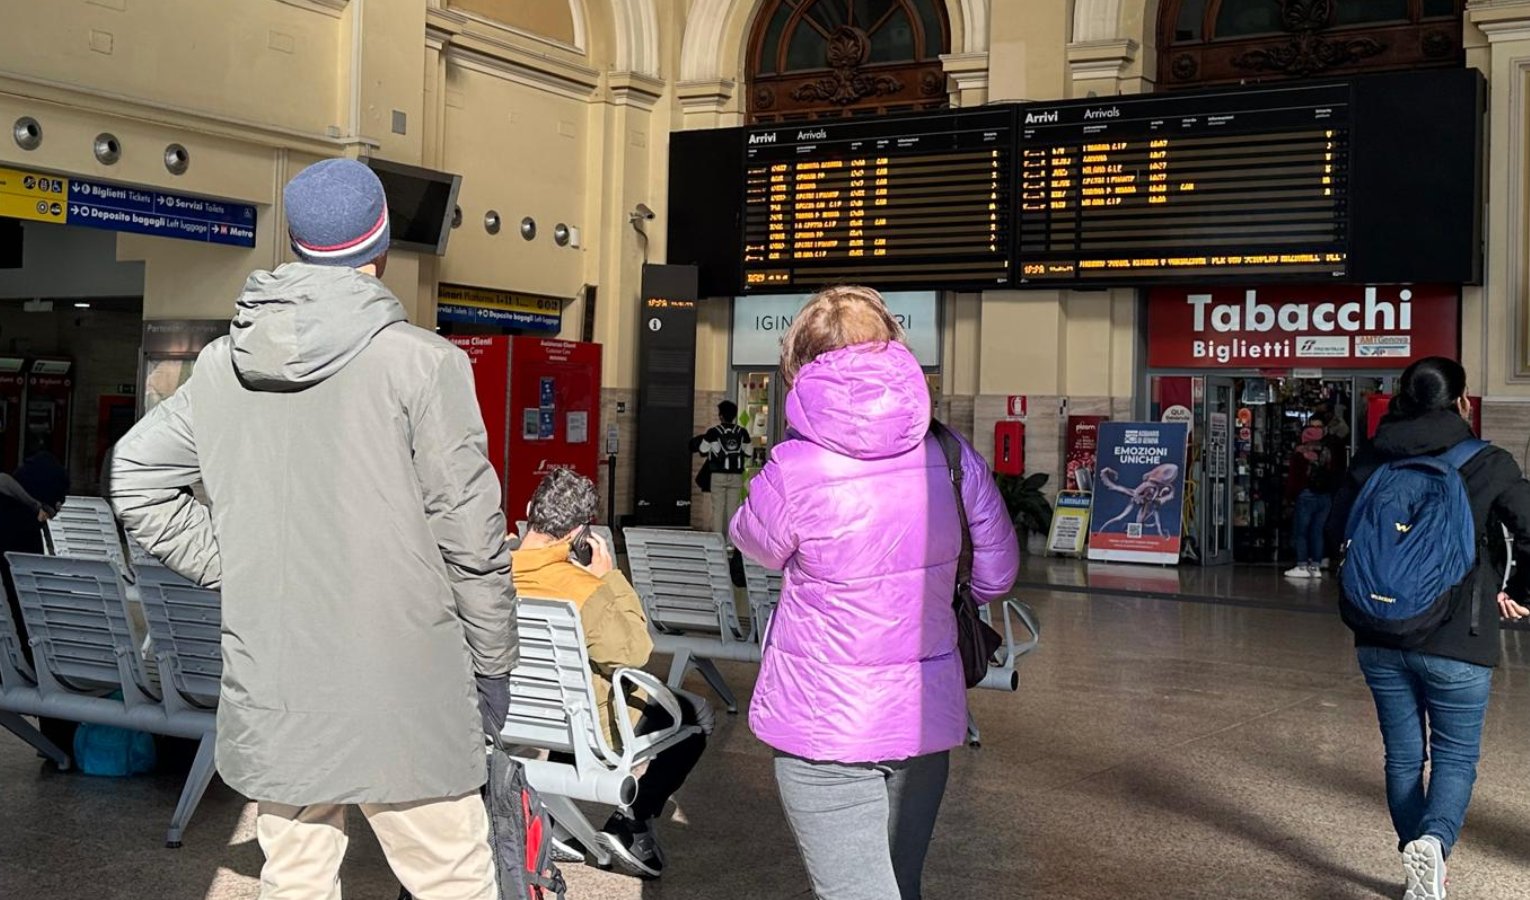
x=635, y=747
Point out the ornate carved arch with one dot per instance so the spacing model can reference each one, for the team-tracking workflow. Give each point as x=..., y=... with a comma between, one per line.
x=816, y=58
x=1203, y=42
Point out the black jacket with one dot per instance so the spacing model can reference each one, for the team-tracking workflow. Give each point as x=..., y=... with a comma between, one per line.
x=1499, y=495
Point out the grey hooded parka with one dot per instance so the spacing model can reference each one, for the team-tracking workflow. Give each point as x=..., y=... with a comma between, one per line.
x=355, y=530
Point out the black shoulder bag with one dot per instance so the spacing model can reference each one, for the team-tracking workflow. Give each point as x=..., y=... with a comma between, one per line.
x=975, y=640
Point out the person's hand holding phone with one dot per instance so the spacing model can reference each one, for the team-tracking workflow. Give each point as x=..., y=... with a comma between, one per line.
x=601, y=563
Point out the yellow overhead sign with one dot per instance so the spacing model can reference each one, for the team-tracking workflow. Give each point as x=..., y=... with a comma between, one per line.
x=461, y=295
x=33, y=196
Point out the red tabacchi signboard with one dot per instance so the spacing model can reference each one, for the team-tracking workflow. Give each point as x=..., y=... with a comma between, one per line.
x=1325, y=326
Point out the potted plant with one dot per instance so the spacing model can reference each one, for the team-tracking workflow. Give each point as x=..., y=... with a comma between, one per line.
x=1028, y=506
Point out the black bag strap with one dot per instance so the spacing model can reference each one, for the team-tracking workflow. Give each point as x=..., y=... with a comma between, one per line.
x=952, y=446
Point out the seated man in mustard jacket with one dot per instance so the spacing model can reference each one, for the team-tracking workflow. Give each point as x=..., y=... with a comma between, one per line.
x=616, y=633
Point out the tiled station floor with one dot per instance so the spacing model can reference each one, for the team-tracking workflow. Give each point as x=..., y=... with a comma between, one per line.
x=1157, y=748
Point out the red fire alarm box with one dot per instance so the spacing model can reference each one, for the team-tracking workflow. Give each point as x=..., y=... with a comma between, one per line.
x=1009, y=448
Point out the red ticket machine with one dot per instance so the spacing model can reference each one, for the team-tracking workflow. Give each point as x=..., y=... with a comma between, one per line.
x=49, y=404
x=541, y=405
x=13, y=388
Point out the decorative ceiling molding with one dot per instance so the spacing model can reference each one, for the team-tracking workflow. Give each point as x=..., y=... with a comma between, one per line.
x=967, y=71
x=540, y=72
x=1089, y=60
x=632, y=89
x=331, y=8
x=456, y=21
x=1500, y=20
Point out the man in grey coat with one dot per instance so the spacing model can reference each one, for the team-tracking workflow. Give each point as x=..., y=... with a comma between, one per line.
x=356, y=532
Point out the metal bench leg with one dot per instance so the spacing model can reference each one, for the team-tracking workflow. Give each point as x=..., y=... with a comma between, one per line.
x=23, y=729
x=568, y=817
x=677, y=667
x=974, y=737
x=196, y=785
x=708, y=670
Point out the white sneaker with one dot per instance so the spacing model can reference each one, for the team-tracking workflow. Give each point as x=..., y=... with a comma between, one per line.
x=1314, y=572
x=1424, y=867
x=1299, y=572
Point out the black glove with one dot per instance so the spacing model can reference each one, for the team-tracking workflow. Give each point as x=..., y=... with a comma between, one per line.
x=493, y=701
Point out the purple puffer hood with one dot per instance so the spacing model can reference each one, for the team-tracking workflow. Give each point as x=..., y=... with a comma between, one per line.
x=868, y=401
x=857, y=509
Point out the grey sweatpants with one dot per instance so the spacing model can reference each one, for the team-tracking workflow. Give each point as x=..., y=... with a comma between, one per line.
x=863, y=830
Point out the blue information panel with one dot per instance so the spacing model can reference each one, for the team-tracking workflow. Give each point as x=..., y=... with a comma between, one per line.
x=114, y=207
x=507, y=318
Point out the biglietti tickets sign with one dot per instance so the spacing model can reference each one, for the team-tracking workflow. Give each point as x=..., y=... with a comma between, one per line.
x=1327, y=326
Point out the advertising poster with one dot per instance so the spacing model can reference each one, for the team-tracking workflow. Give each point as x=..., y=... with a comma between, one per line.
x=1070, y=524
x=1083, y=443
x=1139, y=494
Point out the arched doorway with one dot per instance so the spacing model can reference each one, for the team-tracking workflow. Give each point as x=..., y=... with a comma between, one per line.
x=1206, y=42
x=814, y=58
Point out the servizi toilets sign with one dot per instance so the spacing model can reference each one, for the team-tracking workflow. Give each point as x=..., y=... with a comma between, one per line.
x=1327, y=326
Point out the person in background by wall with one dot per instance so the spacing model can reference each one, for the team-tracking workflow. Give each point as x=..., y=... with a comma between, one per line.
x=726, y=448
x=27, y=501
x=1311, y=479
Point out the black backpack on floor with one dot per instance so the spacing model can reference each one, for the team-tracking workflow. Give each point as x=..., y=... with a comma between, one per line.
x=520, y=834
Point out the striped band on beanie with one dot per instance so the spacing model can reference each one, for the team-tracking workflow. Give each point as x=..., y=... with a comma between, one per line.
x=337, y=214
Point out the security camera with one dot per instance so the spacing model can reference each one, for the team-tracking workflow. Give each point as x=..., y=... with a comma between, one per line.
x=641, y=213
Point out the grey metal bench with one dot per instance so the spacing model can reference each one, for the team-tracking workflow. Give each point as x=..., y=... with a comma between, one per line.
x=553, y=708
x=76, y=616
x=85, y=528
x=683, y=580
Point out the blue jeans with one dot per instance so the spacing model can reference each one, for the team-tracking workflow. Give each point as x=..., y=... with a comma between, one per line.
x=1307, y=532
x=1425, y=699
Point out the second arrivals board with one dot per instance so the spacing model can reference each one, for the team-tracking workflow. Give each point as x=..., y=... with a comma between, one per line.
x=1375, y=179
x=1254, y=182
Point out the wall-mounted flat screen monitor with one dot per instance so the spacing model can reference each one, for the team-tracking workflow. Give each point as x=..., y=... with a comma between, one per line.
x=420, y=205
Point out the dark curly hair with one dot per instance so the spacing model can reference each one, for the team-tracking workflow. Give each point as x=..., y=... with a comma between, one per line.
x=563, y=501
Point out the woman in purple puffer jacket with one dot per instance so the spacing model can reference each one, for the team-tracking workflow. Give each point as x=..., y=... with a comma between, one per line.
x=861, y=690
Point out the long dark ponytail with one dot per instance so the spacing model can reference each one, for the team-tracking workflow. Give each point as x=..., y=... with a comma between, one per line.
x=1435, y=384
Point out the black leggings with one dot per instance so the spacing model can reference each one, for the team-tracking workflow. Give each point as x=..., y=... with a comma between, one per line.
x=667, y=771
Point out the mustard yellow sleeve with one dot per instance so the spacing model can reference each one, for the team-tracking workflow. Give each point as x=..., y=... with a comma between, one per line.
x=615, y=629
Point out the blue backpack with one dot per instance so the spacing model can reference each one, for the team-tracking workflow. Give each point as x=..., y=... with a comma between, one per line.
x=1410, y=543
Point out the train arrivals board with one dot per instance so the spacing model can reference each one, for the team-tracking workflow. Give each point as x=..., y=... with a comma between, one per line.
x=1249, y=184
x=919, y=201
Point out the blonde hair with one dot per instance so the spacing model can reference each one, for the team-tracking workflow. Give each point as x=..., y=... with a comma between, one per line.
x=836, y=317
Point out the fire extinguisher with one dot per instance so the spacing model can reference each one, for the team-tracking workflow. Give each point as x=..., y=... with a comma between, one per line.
x=1009, y=447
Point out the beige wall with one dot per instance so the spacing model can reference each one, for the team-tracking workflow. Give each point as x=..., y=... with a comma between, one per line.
x=561, y=110
x=545, y=18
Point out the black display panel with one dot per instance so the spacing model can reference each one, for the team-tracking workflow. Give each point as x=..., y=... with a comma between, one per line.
x=1243, y=185
x=918, y=201
x=703, y=216
x=1371, y=179
x=666, y=395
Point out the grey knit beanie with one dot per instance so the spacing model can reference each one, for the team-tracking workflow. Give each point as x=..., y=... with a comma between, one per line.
x=337, y=214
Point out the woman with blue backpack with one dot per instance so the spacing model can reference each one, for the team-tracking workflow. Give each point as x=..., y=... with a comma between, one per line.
x=1413, y=522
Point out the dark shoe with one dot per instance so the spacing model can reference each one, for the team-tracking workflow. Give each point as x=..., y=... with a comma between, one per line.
x=566, y=849
x=634, y=847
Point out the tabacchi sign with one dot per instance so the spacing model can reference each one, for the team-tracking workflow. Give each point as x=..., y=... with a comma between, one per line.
x=1327, y=326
